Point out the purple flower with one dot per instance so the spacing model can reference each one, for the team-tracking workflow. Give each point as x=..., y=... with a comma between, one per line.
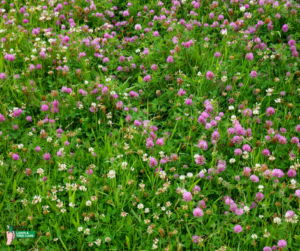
x=291, y=173
x=238, y=152
x=152, y=162
x=253, y=74
x=266, y=152
x=196, y=238
x=47, y=156
x=290, y=214
x=196, y=188
x=217, y=54
x=170, y=59
x=210, y=75
x=126, y=13
x=137, y=123
x=66, y=39
x=277, y=173
x=281, y=243
x=17, y=112
x=181, y=92
x=15, y=156
x=133, y=94
x=42, y=54
x=188, y=101
x=285, y=28
x=246, y=148
x=2, y=75
x=270, y=111
x=44, y=108
x=200, y=160
x=154, y=67
x=155, y=34
x=202, y=144
x=259, y=196
x=247, y=112
x=10, y=57
x=198, y=212
x=187, y=196
x=249, y=56
x=119, y=68
x=147, y=78
x=93, y=109
x=254, y=178
x=237, y=229
x=89, y=171
x=228, y=88
x=160, y=141
x=137, y=27
x=267, y=249
x=239, y=211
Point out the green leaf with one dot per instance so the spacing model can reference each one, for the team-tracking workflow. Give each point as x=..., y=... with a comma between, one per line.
x=64, y=138
x=128, y=242
x=135, y=215
x=279, y=33
x=140, y=79
x=215, y=207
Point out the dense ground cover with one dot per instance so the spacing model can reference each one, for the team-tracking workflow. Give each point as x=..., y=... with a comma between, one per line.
x=168, y=125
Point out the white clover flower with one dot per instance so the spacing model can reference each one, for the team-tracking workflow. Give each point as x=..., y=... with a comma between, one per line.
x=254, y=236
x=224, y=79
x=140, y=206
x=246, y=209
x=71, y=204
x=231, y=161
x=111, y=174
x=277, y=220
x=278, y=100
x=98, y=242
x=40, y=171
x=293, y=181
x=224, y=32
